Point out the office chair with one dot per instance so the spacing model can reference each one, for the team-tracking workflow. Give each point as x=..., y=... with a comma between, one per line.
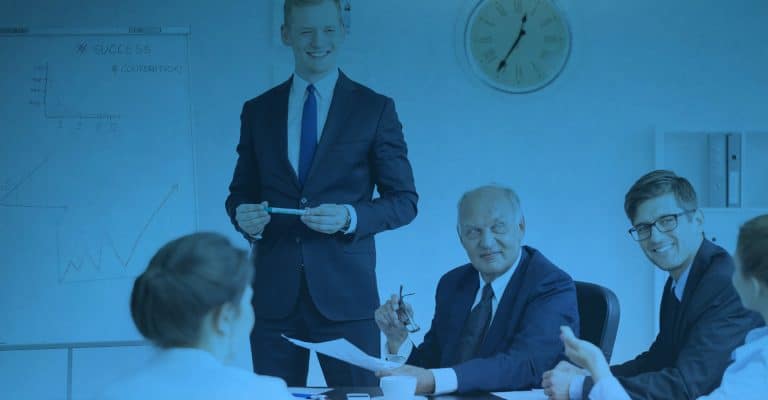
x=599, y=316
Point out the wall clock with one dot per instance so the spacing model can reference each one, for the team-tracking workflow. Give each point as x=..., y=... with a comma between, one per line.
x=516, y=46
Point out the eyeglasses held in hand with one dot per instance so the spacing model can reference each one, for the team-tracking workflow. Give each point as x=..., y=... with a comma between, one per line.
x=404, y=315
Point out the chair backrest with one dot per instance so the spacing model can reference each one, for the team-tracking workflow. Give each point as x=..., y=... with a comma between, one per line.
x=599, y=315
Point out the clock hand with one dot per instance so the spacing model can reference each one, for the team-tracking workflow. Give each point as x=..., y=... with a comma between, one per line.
x=503, y=63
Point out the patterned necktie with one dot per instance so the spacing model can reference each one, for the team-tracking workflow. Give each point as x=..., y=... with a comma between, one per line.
x=308, y=134
x=474, y=330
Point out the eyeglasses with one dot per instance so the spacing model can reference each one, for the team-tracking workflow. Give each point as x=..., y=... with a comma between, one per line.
x=665, y=223
x=404, y=314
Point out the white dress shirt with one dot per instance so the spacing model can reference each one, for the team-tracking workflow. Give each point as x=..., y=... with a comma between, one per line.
x=446, y=380
x=608, y=388
x=747, y=376
x=194, y=374
x=296, y=97
x=577, y=382
x=678, y=286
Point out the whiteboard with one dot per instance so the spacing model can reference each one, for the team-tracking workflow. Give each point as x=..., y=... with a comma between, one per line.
x=97, y=171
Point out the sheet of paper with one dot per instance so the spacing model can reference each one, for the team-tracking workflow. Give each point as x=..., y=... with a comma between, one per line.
x=535, y=394
x=343, y=350
x=308, y=390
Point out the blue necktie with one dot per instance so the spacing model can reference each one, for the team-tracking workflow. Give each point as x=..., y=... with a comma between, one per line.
x=475, y=327
x=308, y=134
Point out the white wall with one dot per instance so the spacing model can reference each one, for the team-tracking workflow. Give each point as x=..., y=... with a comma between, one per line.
x=571, y=149
x=33, y=374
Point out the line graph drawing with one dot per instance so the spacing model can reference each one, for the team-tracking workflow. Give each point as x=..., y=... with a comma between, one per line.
x=83, y=261
x=94, y=259
x=13, y=188
x=97, y=170
x=6, y=185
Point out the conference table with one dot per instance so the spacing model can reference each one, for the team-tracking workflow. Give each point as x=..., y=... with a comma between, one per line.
x=340, y=393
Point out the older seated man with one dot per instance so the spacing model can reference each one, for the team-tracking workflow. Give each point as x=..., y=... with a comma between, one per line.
x=497, y=318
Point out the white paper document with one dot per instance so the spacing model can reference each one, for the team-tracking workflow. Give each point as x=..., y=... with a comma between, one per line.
x=342, y=350
x=309, y=391
x=535, y=394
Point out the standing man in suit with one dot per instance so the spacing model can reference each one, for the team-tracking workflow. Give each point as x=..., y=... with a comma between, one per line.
x=497, y=318
x=701, y=318
x=319, y=142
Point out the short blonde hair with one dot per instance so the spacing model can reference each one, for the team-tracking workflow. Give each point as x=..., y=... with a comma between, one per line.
x=289, y=5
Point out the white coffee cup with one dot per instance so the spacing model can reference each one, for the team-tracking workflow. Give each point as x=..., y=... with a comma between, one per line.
x=398, y=387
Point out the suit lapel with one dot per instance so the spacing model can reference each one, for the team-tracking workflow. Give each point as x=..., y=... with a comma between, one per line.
x=279, y=131
x=459, y=312
x=342, y=105
x=667, y=318
x=699, y=264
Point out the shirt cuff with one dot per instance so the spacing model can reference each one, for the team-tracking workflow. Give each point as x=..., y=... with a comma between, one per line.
x=576, y=386
x=446, y=380
x=609, y=388
x=401, y=356
x=352, y=219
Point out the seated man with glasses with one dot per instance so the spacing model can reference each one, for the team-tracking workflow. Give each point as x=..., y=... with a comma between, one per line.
x=497, y=318
x=701, y=318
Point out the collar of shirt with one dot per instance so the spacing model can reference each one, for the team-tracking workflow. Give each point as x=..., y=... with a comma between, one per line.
x=296, y=97
x=323, y=88
x=678, y=286
x=498, y=285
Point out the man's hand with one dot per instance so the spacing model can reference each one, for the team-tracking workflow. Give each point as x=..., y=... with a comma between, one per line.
x=252, y=218
x=584, y=354
x=557, y=382
x=388, y=319
x=326, y=218
x=425, y=381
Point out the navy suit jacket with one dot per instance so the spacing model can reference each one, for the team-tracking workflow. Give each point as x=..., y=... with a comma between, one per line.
x=361, y=147
x=696, y=337
x=523, y=340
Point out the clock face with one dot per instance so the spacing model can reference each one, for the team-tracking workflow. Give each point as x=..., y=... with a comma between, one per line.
x=517, y=45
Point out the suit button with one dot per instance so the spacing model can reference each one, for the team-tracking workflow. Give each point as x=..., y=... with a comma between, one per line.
x=303, y=201
x=298, y=240
x=301, y=265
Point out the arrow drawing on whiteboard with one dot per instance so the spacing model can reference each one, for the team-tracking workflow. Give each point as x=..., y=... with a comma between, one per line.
x=15, y=187
x=95, y=261
x=24, y=179
x=174, y=189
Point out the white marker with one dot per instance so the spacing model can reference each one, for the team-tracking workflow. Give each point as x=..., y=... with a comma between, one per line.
x=290, y=211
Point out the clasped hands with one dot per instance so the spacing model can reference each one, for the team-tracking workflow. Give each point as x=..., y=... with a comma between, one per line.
x=557, y=382
x=325, y=218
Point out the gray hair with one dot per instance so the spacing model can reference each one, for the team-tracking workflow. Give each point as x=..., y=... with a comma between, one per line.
x=506, y=191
